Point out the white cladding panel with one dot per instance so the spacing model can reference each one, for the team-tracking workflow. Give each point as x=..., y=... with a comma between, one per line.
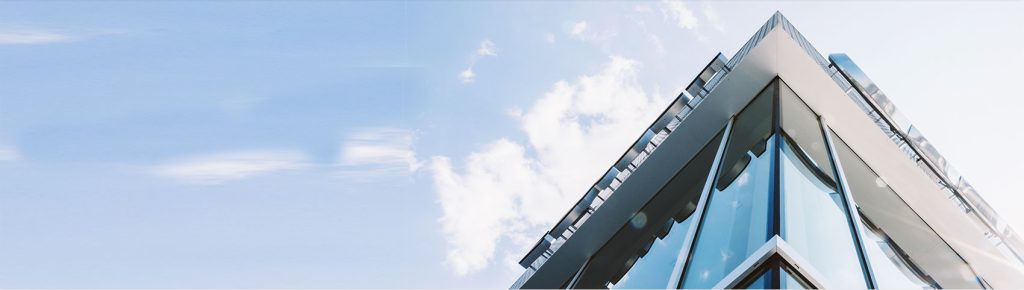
x=821, y=93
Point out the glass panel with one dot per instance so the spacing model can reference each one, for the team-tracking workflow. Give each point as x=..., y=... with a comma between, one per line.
x=654, y=270
x=775, y=267
x=737, y=215
x=815, y=221
x=762, y=282
x=889, y=263
x=645, y=252
x=902, y=228
x=801, y=124
x=752, y=127
x=790, y=280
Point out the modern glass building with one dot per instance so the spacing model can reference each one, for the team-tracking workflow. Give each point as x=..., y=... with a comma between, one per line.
x=779, y=168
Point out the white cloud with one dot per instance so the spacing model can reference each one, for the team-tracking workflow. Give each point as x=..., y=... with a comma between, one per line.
x=378, y=152
x=679, y=12
x=9, y=153
x=224, y=167
x=479, y=206
x=549, y=37
x=656, y=42
x=508, y=192
x=486, y=49
x=712, y=17
x=467, y=76
x=32, y=37
x=588, y=32
x=578, y=28
x=683, y=16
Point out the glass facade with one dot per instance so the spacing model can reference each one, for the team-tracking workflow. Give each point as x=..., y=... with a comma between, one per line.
x=893, y=266
x=654, y=270
x=778, y=186
x=815, y=217
x=773, y=268
x=764, y=205
x=736, y=217
x=646, y=255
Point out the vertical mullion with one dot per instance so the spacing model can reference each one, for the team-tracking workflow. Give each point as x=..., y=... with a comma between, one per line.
x=852, y=215
x=776, y=194
x=682, y=261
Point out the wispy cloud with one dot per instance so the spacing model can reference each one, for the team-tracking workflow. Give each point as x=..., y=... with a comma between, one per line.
x=578, y=28
x=586, y=31
x=378, y=153
x=682, y=15
x=678, y=11
x=712, y=16
x=510, y=192
x=9, y=153
x=224, y=167
x=467, y=76
x=32, y=36
x=549, y=37
x=23, y=35
x=486, y=49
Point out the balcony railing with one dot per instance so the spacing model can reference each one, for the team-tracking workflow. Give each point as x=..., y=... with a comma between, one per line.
x=632, y=159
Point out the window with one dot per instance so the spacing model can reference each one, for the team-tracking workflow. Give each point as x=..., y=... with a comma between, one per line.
x=645, y=252
x=815, y=219
x=889, y=218
x=735, y=222
x=771, y=268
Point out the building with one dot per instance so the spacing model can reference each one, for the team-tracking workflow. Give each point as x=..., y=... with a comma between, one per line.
x=779, y=168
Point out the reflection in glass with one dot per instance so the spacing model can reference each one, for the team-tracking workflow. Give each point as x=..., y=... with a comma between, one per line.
x=750, y=130
x=889, y=264
x=887, y=214
x=763, y=281
x=790, y=281
x=645, y=252
x=654, y=270
x=815, y=221
x=736, y=217
x=735, y=224
x=801, y=126
x=771, y=268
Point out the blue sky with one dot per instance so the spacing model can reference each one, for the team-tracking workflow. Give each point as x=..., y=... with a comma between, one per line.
x=401, y=144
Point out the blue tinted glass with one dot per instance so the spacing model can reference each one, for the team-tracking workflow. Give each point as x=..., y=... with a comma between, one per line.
x=735, y=222
x=762, y=282
x=789, y=281
x=655, y=269
x=815, y=221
